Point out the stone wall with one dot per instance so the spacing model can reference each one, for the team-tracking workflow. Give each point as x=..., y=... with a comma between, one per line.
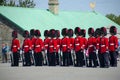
x=5, y=35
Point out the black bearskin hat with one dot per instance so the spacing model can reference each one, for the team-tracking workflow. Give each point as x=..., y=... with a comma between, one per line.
x=26, y=33
x=64, y=31
x=57, y=33
x=77, y=31
x=37, y=33
x=103, y=31
x=91, y=31
x=52, y=33
x=83, y=32
x=97, y=32
x=113, y=30
x=70, y=33
x=14, y=34
x=32, y=32
x=46, y=33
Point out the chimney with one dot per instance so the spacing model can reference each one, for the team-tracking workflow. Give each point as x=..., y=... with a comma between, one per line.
x=53, y=6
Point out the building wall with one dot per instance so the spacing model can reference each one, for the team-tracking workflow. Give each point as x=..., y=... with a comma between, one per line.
x=5, y=35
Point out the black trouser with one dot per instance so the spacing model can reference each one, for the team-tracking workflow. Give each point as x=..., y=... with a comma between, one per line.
x=92, y=58
x=113, y=59
x=15, y=59
x=27, y=59
x=48, y=58
x=70, y=59
x=52, y=59
x=38, y=59
x=79, y=58
x=104, y=59
x=32, y=58
x=65, y=59
x=57, y=58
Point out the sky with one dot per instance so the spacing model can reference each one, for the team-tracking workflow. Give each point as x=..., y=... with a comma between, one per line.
x=102, y=6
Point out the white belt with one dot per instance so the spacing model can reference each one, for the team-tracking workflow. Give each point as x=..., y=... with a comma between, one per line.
x=112, y=44
x=64, y=45
x=90, y=45
x=38, y=46
x=77, y=44
x=102, y=45
x=83, y=45
x=14, y=46
x=25, y=46
x=70, y=44
x=46, y=45
x=97, y=44
x=51, y=46
x=58, y=45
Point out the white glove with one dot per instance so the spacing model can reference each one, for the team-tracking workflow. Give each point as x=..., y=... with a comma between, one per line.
x=97, y=51
x=45, y=51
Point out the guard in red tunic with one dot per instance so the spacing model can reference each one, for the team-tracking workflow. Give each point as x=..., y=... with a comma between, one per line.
x=91, y=45
x=71, y=52
x=113, y=45
x=38, y=47
x=83, y=34
x=33, y=39
x=79, y=48
x=97, y=36
x=15, y=47
x=65, y=47
x=52, y=48
x=58, y=56
x=103, y=49
x=27, y=47
x=46, y=49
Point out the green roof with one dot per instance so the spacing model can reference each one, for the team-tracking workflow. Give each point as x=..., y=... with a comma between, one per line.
x=29, y=18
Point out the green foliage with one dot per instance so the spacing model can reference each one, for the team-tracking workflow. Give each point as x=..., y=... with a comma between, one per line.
x=20, y=3
x=26, y=3
x=114, y=18
x=1, y=2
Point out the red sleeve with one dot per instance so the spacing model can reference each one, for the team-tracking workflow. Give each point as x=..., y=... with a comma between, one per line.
x=116, y=42
x=68, y=43
x=30, y=44
x=106, y=41
x=18, y=44
x=55, y=44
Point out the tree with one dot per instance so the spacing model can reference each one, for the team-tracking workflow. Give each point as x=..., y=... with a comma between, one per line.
x=1, y=2
x=114, y=18
x=26, y=3
x=16, y=3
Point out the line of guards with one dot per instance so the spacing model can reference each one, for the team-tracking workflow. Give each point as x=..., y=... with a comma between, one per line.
x=97, y=50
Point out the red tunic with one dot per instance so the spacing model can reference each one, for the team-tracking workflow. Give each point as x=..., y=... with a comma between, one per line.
x=15, y=45
x=33, y=39
x=65, y=44
x=78, y=43
x=27, y=45
x=46, y=42
x=91, y=44
x=52, y=45
x=84, y=43
x=38, y=45
x=97, y=42
x=58, y=44
x=103, y=45
x=72, y=42
x=113, y=43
